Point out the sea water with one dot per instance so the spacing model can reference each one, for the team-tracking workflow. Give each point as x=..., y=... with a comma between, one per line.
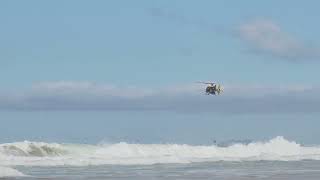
x=277, y=158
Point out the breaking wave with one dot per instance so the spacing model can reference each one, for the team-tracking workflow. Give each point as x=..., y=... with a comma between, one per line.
x=9, y=172
x=53, y=154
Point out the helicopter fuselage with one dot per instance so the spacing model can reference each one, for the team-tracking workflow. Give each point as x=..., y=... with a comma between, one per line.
x=211, y=90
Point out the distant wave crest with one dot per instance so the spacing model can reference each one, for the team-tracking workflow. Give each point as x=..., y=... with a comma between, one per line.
x=54, y=154
x=36, y=149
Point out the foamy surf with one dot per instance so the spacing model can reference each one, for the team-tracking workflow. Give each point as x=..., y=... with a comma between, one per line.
x=9, y=172
x=54, y=154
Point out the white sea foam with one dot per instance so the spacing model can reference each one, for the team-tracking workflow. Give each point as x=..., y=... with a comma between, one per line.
x=53, y=154
x=9, y=172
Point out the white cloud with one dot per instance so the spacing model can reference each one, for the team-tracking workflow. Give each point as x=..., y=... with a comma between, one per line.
x=265, y=36
x=88, y=88
x=186, y=98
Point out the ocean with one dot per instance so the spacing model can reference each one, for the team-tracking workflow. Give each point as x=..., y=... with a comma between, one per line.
x=275, y=159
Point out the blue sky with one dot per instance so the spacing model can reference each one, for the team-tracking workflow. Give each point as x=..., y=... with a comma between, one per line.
x=143, y=57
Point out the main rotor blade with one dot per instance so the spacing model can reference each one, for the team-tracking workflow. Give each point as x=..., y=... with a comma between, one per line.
x=205, y=82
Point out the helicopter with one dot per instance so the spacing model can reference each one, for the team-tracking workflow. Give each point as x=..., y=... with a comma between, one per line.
x=212, y=88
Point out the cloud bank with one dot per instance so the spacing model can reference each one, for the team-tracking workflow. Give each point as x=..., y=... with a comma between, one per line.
x=184, y=98
x=267, y=37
